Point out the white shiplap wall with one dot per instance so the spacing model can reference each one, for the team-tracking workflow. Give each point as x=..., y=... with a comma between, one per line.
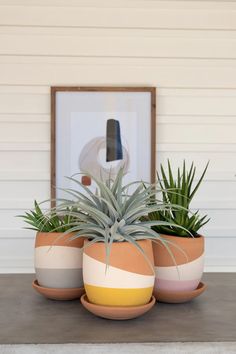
x=187, y=49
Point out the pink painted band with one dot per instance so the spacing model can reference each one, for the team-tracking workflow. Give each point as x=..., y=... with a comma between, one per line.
x=176, y=285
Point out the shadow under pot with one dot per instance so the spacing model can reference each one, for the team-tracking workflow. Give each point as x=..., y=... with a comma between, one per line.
x=189, y=257
x=58, y=261
x=127, y=281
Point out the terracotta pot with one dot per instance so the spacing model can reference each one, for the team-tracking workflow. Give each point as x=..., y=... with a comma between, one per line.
x=129, y=279
x=58, y=261
x=188, y=274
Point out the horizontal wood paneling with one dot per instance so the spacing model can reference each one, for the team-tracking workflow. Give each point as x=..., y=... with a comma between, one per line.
x=170, y=102
x=144, y=17
x=125, y=72
x=15, y=162
x=32, y=146
x=17, y=204
x=40, y=189
x=184, y=147
x=24, y=146
x=24, y=118
x=95, y=32
x=24, y=189
x=19, y=132
x=196, y=134
x=222, y=164
x=162, y=119
x=166, y=4
x=24, y=103
x=187, y=49
x=158, y=44
x=167, y=133
x=24, y=175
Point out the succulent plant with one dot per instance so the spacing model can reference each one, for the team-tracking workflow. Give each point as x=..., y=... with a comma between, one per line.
x=113, y=214
x=49, y=221
x=178, y=191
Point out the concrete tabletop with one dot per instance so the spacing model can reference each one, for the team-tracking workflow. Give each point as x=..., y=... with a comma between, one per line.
x=27, y=317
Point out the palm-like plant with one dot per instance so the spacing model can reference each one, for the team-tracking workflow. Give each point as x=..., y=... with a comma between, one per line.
x=112, y=214
x=178, y=191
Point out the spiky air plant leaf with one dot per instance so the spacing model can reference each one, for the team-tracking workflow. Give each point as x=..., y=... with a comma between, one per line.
x=114, y=214
x=178, y=190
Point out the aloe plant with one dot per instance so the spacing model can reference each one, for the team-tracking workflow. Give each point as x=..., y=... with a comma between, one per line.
x=113, y=214
x=178, y=190
x=50, y=221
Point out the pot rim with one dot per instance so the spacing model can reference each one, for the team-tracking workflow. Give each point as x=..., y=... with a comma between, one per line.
x=198, y=236
x=118, y=242
x=54, y=233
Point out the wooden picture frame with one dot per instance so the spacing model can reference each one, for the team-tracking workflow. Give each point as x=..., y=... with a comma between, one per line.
x=55, y=90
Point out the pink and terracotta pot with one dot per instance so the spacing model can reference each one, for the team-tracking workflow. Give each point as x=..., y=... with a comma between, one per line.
x=58, y=260
x=129, y=279
x=187, y=274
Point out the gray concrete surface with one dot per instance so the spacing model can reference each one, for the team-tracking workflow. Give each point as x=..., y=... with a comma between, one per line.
x=27, y=317
x=150, y=348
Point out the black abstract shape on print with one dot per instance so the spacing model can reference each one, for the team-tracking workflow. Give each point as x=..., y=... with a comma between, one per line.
x=114, y=149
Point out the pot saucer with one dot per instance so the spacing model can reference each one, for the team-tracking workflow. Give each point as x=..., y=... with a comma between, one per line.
x=115, y=312
x=58, y=294
x=175, y=297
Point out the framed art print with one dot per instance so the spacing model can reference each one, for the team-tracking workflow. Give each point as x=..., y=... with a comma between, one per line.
x=96, y=130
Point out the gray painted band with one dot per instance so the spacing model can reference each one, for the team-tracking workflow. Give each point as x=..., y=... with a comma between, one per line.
x=59, y=278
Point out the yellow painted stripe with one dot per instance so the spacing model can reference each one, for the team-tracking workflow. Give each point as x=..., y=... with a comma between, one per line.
x=118, y=297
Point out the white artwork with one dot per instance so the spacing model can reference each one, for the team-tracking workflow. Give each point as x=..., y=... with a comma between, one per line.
x=98, y=132
x=89, y=152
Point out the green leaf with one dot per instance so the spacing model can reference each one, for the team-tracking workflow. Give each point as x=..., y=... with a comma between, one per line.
x=178, y=191
x=199, y=182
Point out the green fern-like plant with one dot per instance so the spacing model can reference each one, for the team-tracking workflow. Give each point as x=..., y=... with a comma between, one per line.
x=113, y=214
x=178, y=190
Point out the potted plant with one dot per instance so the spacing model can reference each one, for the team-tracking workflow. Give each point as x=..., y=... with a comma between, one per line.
x=183, y=272
x=58, y=261
x=118, y=257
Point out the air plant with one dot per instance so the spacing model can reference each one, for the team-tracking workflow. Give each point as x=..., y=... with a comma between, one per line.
x=113, y=214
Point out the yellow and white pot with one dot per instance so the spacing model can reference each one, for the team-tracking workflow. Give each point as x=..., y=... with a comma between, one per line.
x=58, y=261
x=129, y=279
